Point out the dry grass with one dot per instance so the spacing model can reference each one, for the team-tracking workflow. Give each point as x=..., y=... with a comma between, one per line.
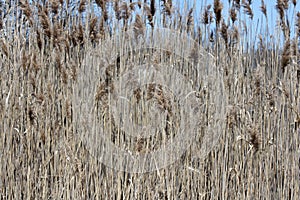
x=42, y=48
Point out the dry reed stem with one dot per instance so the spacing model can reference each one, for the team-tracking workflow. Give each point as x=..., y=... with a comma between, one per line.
x=218, y=6
x=41, y=156
x=139, y=27
x=248, y=10
x=263, y=8
x=233, y=15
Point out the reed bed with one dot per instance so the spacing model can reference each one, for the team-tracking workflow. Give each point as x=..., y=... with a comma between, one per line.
x=43, y=48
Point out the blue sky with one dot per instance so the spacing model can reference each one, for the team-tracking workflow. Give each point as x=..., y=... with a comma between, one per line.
x=258, y=24
x=258, y=15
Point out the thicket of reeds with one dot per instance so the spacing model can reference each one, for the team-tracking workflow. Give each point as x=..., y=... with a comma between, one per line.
x=43, y=46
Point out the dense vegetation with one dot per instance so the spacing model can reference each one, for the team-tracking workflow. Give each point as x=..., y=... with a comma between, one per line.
x=43, y=47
